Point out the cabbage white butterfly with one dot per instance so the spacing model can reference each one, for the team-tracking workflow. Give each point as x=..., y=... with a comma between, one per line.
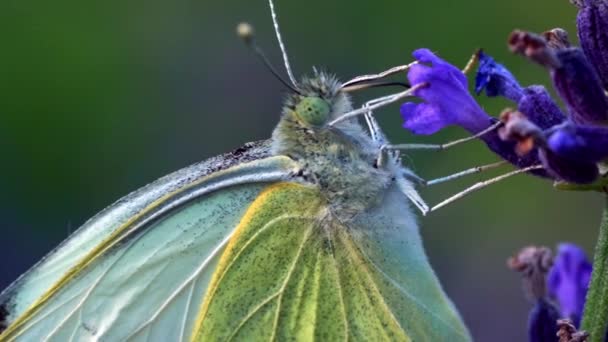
x=307, y=235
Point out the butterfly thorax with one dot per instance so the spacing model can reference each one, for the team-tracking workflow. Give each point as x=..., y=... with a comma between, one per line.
x=340, y=160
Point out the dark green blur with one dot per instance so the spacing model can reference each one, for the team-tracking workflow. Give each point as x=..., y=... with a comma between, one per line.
x=99, y=98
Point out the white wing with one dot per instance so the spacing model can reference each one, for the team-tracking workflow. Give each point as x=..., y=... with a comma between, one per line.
x=140, y=268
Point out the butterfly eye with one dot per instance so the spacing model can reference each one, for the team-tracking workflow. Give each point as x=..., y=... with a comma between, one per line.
x=313, y=111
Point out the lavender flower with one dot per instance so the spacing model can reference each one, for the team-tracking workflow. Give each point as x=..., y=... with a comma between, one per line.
x=496, y=80
x=533, y=263
x=569, y=151
x=579, y=85
x=592, y=24
x=573, y=76
x=568, y=333
x=542, y=322
x=534, y=100
x=564, y=278
x=579, y=142
x=447, y=90
x=568, y=280
x=448, y=102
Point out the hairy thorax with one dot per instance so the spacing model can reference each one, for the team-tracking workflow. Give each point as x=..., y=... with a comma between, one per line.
x=341, y=161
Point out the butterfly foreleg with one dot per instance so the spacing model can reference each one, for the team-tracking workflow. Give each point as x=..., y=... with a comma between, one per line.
x=483, y=184
x=444, y=146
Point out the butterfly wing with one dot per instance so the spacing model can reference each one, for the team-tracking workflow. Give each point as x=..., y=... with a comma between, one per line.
x=388, y=243
x=292, y=271
x=141, y=267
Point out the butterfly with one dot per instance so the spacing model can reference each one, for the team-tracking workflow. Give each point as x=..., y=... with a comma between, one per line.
x=307, y=236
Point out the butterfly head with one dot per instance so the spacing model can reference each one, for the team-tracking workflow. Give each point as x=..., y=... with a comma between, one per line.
x=313, y=110
x=318, y=100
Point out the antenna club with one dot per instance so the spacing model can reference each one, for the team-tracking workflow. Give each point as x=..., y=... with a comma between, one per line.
x=245, y=31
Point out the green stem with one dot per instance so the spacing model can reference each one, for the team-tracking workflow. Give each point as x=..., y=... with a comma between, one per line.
x=595, y=318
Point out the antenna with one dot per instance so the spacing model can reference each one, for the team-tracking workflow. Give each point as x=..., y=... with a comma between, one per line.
x=246, y=33
x=275, y=21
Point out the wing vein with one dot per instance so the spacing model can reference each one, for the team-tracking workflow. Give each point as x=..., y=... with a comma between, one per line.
x=183, y=285
x=287, y=279
x=54, y=309
x=283, y=286
x=186, y=309
x=352, y=249
x=405, y=292
x=339, y=286
x=250, y=241
x=79, y=305
x=251, y=313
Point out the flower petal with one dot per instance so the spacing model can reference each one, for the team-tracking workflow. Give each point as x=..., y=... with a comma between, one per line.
x=426, y=56
x=568, y=170
x=568, y=280
x=539, y=107
x=447, y=97
x=578, y=84
x=534, y=101
x=542, y=322
x=423, y=118
x=592, y=24
x=580, y=142
x=447, y=101
x=496, y=79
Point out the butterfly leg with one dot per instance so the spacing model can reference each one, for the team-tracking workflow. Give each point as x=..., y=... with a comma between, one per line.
x=439, y=147
x=376, y=133
x=482, y=185
x=407, y=188
x=374, y=129
x=413, y=177
x=473, y=170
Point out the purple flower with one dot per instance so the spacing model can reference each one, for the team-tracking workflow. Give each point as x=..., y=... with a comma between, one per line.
x=580, y=87
x=568, y=280
x=447, y=101
x=568, y=170
x=583, y=143
x=537, y=104
x=534, y=101
x=447, y=98
x=592, y=23
x=568, y=150
x=496, y=80
x=573, y=76
x=533, y=263
x=542, y=322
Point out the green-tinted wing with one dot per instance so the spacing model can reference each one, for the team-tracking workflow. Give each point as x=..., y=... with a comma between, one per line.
x=294, y=272
x=22, y=293
x=140, y=268
x=389, y=245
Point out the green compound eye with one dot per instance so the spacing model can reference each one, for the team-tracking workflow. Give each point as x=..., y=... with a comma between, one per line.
x=313, y=111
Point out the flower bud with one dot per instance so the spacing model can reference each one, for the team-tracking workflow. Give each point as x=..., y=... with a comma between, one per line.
x=579, y=86
x=568, y=280
x=568, y=333
x=538, y=106
x=592, y=23
x=557, y=38
x=542, y=322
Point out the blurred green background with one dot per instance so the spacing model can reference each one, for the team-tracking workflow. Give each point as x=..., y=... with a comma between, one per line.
x=100, y=98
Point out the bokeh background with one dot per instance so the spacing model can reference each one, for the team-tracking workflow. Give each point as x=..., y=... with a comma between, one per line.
x=99, y=98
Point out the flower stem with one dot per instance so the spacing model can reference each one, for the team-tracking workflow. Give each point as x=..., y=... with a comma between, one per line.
x=595, y=318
